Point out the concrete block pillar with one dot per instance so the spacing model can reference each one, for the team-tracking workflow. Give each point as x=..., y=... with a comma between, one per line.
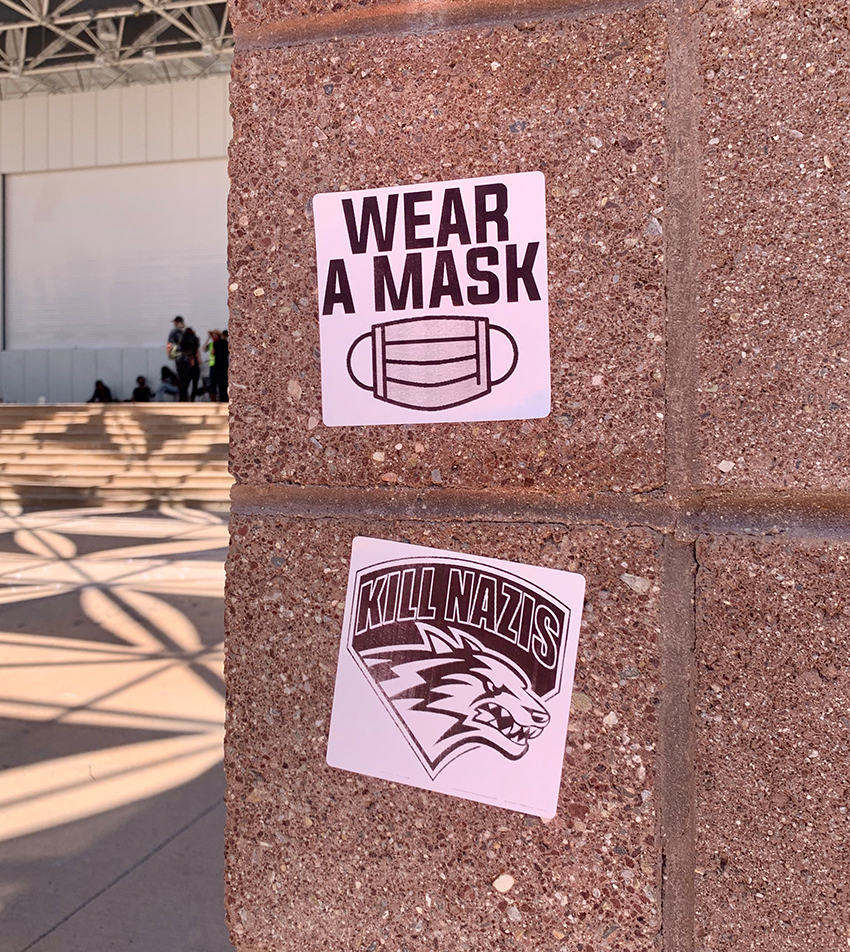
x=692, y=469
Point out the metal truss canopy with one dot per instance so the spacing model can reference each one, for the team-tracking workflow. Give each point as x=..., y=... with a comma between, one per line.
x=56, y=45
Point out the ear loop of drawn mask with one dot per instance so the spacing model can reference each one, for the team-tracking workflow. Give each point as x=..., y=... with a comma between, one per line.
x=351, y=373
x=512, y=368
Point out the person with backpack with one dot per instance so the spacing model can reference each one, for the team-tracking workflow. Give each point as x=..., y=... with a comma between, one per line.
x=182, y=354
x=209, y=347
x=222, y=363
x=190, y=345
x=172, y=348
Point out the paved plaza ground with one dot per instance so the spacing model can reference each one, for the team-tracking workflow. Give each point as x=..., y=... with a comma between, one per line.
x=111, y=714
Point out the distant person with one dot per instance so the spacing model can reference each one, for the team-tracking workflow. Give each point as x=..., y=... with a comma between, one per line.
x=102, y=393
x=222, y=365
x=190, y=346
x=209, y=347
x=169, y=387
x=142, y=393
x=174, y=349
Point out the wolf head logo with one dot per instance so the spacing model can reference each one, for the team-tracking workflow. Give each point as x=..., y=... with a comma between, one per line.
x=451, y=694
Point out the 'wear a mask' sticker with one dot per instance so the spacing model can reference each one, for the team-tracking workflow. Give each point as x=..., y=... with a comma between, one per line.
x=455, y=673
x=433, y=302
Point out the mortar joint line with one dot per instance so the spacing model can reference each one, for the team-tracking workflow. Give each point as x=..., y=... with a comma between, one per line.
x=814, y=516
x=681, y=251
x=676, y=784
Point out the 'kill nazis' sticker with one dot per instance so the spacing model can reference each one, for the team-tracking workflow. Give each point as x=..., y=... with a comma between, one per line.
x=433, y=302
x=455, y=674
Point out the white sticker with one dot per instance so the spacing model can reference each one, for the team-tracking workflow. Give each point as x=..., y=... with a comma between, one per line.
x=433, y=302
x=455, y=674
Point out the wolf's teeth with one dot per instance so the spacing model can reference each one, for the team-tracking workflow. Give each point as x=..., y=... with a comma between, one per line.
x=491, y=714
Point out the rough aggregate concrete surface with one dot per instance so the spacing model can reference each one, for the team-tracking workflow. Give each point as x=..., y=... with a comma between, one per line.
x=697, y=187
x=351, y=115
x=775, y=383
x=774, y=741
x=324, y=859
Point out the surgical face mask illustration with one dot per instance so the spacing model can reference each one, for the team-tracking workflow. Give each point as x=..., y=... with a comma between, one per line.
x=432, y=363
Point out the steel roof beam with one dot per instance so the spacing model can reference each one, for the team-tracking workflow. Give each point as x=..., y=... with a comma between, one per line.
x=174, y=21
x=25, y=12
x=138, y=61
x=85, y=40
x=52, y=48
x=130, y=11
x=144, y=40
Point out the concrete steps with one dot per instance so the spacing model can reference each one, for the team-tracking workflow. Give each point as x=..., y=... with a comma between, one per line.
x=114, y=453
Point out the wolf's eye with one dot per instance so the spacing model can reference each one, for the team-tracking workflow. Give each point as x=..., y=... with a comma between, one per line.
x=489, y=687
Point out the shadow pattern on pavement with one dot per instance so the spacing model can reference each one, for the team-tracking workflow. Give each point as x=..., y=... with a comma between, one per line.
x=111, y=714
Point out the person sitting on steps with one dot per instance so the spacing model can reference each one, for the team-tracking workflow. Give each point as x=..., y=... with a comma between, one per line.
x=169, y=388
x=142, y=393
x=102, y=393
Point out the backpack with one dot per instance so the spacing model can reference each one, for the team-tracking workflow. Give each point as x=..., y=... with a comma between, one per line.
x=174, y=340
x=189, y=343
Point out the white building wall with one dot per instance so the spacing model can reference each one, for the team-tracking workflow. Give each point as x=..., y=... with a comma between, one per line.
x=68, y=375
x=123, y=126
x=103, y=257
